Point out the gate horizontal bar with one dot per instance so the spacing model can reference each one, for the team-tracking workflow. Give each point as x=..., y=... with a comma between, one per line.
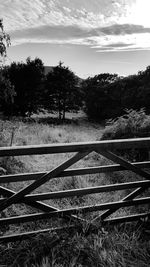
x=84, y=191
x=124, y=219
x=75, y=147
x=71, y=172
x=27, y=235
x=79, y=210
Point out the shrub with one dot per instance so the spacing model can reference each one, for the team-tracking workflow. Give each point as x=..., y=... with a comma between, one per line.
x=132, y=124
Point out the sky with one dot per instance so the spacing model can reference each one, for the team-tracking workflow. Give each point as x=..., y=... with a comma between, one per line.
x=89, y=36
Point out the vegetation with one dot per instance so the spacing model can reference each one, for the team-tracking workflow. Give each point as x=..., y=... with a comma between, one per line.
x=118, y=247
x=132, y=124
x=27, y=80
x=7, y=92
x=4, y=40
x=97, y=96
x=27, y=90
x=109, y=97
x=61, y=91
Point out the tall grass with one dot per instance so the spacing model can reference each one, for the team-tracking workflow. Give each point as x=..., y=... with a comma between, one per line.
x=122, y=247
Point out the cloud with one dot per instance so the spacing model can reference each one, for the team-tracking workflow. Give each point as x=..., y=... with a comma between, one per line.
x=120, y=29
x=115, y=45
x=85, y=13
x=74, y=31
x=111, y=38
x=52, y=32
x=102, y=25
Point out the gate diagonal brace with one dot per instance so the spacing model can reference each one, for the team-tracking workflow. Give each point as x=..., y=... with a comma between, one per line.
x=39, y=205
x=113, y=157
x=19, y=196
x=36, y=204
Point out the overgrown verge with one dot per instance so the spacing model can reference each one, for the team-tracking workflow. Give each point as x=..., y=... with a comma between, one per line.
x=118, y=247
x=133, y=124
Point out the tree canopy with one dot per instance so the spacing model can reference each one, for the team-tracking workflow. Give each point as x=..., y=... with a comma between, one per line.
x=4, y=40
x=107, y=95
x=97, y=95
x=7, y=92
x=27, y=79
x=62, y=92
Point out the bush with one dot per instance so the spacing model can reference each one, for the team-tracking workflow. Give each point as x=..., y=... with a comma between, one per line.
x=132, y=124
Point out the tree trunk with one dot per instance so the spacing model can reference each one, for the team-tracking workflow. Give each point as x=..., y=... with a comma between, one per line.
x=59, y=109
x=63, y=114
x=60, y=114
x=64, y=109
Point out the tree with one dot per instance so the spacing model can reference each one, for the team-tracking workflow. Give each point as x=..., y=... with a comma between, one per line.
x=7, y=92
x=98, y=95
x=107, y=96
x=62, y=91
x=4, y=40
x=27, y=79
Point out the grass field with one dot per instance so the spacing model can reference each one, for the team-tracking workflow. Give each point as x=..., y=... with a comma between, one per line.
x=117, y=247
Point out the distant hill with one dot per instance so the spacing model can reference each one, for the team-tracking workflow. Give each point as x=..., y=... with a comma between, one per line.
x=48, y=69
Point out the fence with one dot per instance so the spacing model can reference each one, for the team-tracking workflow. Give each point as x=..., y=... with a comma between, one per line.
x=105, y=148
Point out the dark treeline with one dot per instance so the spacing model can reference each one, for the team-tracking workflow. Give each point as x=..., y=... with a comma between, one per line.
x=26, y=89
x=108, y=95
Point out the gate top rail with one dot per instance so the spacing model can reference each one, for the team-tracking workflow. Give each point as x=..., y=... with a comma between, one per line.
x=75, y=147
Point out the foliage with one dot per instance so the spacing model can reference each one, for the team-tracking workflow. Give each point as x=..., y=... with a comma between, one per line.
x=7, y=93
x=4, y=40
x=114, y=247
x=97, y=97
x=132, y=124
x=27, y=79
x=61, y=91
x=107, y=98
